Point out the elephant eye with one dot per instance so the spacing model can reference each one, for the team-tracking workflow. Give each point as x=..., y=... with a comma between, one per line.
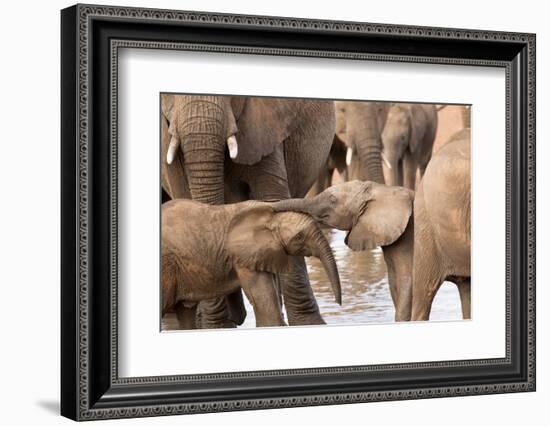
x=299, y=236
x=332, y=199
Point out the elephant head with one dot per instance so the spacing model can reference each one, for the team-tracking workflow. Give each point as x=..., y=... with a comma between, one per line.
x=374, y=214
x=359, y=125
x=199, y=130
x=261, y=239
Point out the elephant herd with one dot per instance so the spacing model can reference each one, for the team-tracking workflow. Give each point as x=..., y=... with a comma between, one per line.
x=235, y=218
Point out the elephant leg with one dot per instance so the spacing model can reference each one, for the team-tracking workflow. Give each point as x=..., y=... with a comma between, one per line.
x=261, y=291
x=464, y=291
x=422, y=169
x=186, y=314
x=268, y=182
x=426, y=282
x=399, y=262
x=214, y=313
x=237, y=310
x=299, y=300
x=325, y=179
x=392, y=277
x=409, y=170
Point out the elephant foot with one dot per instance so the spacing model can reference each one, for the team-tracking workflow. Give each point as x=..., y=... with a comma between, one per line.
x=206, y=323
x=301, y=318
x=215, y=313
x=236, y=308
x=186, y=314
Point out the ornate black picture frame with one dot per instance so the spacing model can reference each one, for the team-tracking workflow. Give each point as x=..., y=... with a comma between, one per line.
x=90, y=386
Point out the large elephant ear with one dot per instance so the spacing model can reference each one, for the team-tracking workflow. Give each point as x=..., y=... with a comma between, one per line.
x=383, y=219
x=173, y=179
x=252, y=241
x=262, y=125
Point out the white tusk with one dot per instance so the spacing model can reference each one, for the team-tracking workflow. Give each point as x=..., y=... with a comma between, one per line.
x=385, y=160
x=172, y=149
x=349, y=154
x=233, y=147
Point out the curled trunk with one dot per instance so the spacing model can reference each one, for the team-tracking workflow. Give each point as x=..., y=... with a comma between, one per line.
x=320, y=248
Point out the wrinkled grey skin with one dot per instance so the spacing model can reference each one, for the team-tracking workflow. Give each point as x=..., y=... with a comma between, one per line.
x=407, y=140
x=359, y=126
x=375, y=215
x=335, y=161
x=442, y=220
x=282, y=145
x=216, y=250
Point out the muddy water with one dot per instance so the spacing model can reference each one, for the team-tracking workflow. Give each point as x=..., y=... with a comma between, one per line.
x=365, y=292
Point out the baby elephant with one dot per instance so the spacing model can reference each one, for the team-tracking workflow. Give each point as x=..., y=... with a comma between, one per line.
x=375, y=215
x=211, y=251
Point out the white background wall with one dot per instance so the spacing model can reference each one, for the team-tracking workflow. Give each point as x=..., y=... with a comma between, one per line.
x=29, y=212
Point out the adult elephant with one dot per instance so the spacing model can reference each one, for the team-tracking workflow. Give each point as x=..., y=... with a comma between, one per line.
x=407, y=140
x=225, y=149
x=442, y=219
x=359, y=126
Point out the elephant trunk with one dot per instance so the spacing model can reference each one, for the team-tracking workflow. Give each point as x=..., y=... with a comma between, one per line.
x=300, y=205
x=369, y=151
x=396, y=178
x=320, y=248
x=202, y=132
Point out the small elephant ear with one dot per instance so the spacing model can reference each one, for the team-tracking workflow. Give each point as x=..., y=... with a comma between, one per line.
x=262, y=125
x=252, y=241
x=383, y=220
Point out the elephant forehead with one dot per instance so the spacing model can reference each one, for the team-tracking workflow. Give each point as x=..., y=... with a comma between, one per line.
x=347, y=200
x=397, y=116
x=292, y=222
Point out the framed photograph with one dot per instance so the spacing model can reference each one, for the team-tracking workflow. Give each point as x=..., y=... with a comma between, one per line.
x=264, y=212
